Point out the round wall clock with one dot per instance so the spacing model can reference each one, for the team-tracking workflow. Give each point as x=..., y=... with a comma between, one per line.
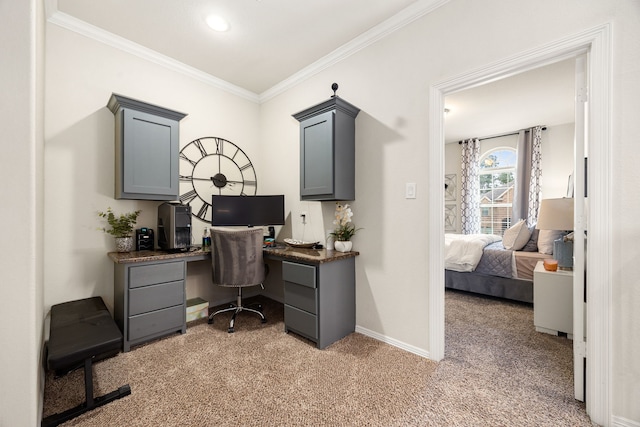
x=210, y=166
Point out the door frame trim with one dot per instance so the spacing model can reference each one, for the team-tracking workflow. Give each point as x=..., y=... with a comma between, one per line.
x=596, y=42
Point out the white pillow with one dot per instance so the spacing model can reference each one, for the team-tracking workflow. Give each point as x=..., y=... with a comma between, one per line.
x=517, y=236
x=545, y=240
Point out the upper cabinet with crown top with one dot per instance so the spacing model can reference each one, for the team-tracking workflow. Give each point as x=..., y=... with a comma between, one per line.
x=327, y=150
x=147, y=149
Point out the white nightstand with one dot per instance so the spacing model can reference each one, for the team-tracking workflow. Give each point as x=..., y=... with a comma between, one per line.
x=553, y=301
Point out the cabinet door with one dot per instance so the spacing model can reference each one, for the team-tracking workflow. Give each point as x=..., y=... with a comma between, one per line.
x=150, y=149
x=317, y=155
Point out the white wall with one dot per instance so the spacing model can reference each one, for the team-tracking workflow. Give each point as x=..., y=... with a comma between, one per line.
x=626, y=208
x=557, y=160
x=79, y=154
x=389, y=81
x=21, y=305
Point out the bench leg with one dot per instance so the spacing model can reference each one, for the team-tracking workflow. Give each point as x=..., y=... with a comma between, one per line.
x=90, y=403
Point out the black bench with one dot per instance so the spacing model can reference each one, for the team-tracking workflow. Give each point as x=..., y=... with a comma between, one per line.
x=82, y=331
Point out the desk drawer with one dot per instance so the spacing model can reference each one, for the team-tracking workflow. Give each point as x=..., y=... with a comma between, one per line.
x=155, y=297
x=301, y=274
x=154, y=322
x=151, y=274
x=300, y=296
x=301, y=321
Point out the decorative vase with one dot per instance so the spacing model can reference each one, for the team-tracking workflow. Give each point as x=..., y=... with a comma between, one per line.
x=343, y=246
x=330, y=242
x=124, y=244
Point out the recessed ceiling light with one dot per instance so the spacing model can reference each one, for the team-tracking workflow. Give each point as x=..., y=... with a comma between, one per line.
x=217, y=23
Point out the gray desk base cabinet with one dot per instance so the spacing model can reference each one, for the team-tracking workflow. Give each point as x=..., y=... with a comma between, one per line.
x=320, y=300
x=149, y=300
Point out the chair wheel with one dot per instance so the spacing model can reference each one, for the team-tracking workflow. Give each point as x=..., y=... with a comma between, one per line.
x=230, y=330
x=210, y=321
x=263, y=321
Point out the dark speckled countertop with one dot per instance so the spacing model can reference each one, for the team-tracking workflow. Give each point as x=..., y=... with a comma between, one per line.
x=311, y=256
x=282, y=252
x=195, y=254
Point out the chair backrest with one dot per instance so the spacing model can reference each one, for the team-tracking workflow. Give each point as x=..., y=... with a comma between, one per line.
x=236, y=257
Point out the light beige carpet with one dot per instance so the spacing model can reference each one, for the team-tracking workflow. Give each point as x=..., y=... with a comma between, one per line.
x=497, y=371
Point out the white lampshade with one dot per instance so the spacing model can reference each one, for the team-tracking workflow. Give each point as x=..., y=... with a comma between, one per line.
x=556, y=214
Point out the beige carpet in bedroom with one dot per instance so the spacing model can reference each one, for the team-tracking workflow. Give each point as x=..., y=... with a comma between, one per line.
x=497, y=372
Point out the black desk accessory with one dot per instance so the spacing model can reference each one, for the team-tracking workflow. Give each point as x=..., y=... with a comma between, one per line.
x=144, y=239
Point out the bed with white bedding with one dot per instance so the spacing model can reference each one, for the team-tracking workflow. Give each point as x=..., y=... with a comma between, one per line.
x=480, y=263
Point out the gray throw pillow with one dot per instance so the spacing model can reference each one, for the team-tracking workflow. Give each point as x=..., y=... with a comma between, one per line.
x=532, y=244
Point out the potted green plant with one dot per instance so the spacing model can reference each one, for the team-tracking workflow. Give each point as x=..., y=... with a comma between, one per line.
x=344, y=230
x=121, y=227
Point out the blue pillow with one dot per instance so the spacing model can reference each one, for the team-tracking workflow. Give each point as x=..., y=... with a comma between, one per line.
x=532, y=244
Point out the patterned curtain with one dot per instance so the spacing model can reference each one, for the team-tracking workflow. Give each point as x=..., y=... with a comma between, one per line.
x=470, y=187
x=536, y=175
x=526, y=199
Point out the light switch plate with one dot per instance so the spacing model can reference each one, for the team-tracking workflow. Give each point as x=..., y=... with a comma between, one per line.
x=410, y=190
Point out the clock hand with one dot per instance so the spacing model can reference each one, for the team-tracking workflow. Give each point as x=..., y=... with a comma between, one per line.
x=229, y=183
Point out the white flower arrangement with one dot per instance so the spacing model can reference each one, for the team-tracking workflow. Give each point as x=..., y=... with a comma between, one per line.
x=344, y=230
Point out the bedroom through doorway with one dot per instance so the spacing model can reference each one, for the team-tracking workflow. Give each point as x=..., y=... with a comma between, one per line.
x=494, y=113
x=593, y=49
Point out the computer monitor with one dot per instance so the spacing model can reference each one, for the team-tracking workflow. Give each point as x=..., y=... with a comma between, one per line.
x=247, y=210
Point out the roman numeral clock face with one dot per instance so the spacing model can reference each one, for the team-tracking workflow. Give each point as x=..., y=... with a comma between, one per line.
x=210, y=166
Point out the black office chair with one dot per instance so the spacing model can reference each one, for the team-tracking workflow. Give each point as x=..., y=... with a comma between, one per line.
x=237, y=262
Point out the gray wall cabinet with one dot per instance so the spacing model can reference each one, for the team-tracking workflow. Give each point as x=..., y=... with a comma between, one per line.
x=327, y=150
x=147, y=150
x=320, y=300
x=149, y=300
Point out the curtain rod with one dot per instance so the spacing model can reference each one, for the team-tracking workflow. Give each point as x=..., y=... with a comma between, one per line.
x=544, y=127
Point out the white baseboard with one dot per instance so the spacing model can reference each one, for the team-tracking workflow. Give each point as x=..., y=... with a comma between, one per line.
x=623, y=422
x=369, y=333
x=391, y=341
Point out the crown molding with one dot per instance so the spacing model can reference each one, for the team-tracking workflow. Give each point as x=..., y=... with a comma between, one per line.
x=399, y=20
x=81, y=27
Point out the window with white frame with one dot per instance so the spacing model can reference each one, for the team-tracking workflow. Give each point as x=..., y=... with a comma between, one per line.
x=497, y=176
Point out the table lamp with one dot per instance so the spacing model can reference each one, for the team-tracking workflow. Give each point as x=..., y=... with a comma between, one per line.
x=557, y=214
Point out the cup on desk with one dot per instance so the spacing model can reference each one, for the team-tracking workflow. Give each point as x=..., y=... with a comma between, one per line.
x=269, y=242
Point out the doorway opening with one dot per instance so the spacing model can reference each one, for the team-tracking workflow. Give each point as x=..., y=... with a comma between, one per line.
x=596, y=44
x=496, y=112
